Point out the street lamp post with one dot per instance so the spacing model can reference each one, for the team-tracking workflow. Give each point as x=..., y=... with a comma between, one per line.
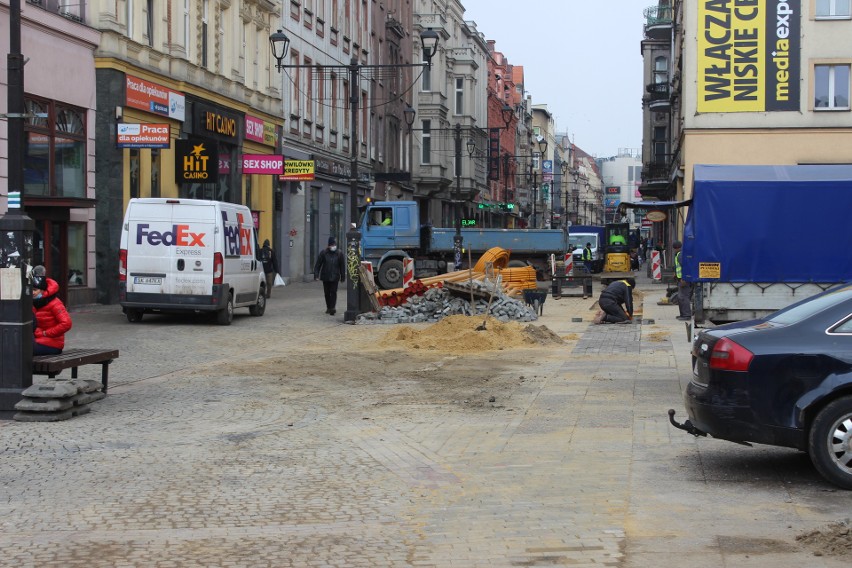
x=16, y=237
x=279, y=43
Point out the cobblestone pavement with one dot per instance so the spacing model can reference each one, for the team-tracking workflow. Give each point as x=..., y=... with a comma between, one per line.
x=194, y=460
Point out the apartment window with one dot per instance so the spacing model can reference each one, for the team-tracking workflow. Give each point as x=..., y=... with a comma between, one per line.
x=204, y=15
x=55, y=150
x=832, y=9
x=427, y=79
x=129, y=16
x=661, y=70
x=459, y=96
x=243, y=48
x=332, y=107
x=831, y=87
x=149, y=22
x=309, y=91
x=256, y=61
x=187, y=26
x=426, y=157
x=660, y=146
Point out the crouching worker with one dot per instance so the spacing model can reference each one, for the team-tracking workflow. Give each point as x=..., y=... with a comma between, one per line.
x=612, y=298
x=51, y=319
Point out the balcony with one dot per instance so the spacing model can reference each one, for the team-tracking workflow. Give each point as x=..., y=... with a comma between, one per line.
x=659, y=97
x=655, y=179
x=658, y=22
x=73, y=11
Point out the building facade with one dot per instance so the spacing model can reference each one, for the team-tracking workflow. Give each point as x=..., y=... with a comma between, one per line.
x=172, y=74
x=58, y=44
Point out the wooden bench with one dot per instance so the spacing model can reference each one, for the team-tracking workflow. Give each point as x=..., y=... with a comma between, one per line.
x=52, y=365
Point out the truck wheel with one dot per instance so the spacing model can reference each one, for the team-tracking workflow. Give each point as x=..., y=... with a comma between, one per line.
x=517, y=264
x=134, y=316
x=224, y=317
x=390, y=274
x=260, y=307
x=830, y=442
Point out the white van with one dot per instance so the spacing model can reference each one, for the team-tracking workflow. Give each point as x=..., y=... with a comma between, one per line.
x=189, y=255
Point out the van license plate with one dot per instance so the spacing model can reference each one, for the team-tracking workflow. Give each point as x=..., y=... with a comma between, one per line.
x=147, y=280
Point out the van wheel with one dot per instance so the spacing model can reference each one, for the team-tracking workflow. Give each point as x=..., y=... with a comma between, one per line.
x=260, y=306
x=134, y=316
x=224, y=317
x=830, y=442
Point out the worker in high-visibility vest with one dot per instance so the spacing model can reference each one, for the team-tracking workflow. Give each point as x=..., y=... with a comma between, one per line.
x=612, y=298
x=684, y=288
x=587, y=257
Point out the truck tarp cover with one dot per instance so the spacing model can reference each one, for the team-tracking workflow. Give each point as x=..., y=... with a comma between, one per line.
x=769, y=224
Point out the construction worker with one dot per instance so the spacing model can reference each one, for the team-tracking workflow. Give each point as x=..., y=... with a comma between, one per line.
x=587, y=257
x=617, y=239
x=684, y=288
x=611, y=300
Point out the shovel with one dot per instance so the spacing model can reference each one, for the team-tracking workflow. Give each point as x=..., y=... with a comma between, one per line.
x=490, y=298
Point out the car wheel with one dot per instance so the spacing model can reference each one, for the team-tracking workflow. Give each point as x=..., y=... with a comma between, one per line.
x=830, y=442
x=390, y=274
x=260, y=307
x=224, y=317
x=134, y=316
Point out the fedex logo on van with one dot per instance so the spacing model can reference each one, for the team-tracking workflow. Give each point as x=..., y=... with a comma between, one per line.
x=238, y=239
x=180, y=236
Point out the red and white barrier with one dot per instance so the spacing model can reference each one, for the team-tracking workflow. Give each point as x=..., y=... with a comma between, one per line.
x=656, y=270
x=368, y=270
x=407, y=272
x=569, y=264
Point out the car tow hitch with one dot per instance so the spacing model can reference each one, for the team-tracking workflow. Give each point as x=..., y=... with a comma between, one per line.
x=686, y=426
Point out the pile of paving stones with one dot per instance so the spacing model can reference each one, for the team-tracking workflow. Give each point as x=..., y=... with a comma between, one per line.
x=438, y=303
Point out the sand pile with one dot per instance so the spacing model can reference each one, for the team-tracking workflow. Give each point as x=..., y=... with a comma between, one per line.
x=458, y=334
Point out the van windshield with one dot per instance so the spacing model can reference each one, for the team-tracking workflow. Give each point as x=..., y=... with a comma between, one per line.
x=579, y=240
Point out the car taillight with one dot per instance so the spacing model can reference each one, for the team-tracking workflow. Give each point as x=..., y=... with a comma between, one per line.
x=728, y=355
x=218, y=268
x=122, y=265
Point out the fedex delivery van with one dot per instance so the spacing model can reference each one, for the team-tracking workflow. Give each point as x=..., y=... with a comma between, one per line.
x=189, y=255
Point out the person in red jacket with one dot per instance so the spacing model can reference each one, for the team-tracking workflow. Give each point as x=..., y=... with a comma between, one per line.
x=50, y=318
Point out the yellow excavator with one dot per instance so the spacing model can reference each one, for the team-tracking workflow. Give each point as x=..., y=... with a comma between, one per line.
x=617, y=256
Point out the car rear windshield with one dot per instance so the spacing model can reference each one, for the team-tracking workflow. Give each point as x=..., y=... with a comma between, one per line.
x=806, y=309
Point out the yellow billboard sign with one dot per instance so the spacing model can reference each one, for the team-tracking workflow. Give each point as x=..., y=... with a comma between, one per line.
x=748, y=55
x=298, y=170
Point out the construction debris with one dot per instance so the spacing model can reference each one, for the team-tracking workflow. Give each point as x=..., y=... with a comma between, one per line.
x=439, y=302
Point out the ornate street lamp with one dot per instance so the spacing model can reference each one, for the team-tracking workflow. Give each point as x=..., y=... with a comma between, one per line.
x=279, y=43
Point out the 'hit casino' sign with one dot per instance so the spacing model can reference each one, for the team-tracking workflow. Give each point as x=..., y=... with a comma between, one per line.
x=196, y=161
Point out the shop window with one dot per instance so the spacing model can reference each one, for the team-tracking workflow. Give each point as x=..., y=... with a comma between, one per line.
x=134, y=164
x=55, y=150
x=155, y=173
x=76, y=254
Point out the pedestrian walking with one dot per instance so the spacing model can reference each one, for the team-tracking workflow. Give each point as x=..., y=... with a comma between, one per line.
x=684, y=288
x=613, y=297
x=331, y=269
x=270, y=266
x=51, y=319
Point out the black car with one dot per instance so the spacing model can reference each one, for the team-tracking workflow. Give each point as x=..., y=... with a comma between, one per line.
x=784, y=380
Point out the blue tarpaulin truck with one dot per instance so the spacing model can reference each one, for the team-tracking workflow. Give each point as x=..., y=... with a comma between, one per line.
x=391, y=231
x=758, y=238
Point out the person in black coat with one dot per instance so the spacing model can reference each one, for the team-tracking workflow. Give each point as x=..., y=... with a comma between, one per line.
x=611, y=300
x=331, y=269
x=270, y=266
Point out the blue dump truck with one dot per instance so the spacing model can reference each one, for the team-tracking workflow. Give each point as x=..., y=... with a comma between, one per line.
x=391, y=231
x=758, y=238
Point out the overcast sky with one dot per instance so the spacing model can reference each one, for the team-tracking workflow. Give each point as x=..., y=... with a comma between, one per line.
x=581, y=58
